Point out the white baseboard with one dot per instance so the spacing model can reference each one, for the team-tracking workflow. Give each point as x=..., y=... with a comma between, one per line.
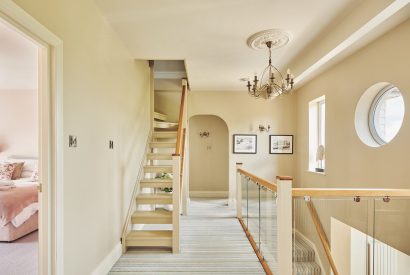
x=208, y=194
x=106, y=264
x=313, y=246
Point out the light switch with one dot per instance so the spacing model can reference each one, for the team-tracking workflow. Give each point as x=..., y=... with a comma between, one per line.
x=111, y=144
x=72, y=141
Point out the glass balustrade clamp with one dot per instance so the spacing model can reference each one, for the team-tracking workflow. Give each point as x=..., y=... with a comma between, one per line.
x=306, y=198
x=356, y=198
x=386, y=199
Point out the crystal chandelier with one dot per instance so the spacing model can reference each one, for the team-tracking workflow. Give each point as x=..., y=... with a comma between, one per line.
x=272, y=83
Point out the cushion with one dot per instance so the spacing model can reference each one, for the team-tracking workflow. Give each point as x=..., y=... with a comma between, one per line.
x=6, y=170
x=34, y=176
x=18, y=168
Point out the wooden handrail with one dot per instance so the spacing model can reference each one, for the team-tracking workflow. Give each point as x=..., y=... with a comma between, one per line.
x=349, y=192
x=322, y=236
x=182, y=159
x=181, y=116
x=270, y=185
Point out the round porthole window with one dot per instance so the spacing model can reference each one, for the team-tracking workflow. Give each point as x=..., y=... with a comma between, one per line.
x=379, y=114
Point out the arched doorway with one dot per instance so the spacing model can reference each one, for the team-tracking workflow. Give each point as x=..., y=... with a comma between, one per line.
x=208, y=157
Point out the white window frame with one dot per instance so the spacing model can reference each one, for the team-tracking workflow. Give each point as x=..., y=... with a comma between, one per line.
x=316, y=131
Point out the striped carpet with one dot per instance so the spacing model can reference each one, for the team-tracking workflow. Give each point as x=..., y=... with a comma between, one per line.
x=212, y=242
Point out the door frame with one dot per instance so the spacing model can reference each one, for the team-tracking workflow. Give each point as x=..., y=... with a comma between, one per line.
x=50, y=100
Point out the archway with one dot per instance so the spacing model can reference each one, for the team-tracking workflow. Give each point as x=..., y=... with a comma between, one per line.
x=208, y=157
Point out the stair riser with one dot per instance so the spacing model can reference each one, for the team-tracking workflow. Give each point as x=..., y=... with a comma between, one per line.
x=159, y=157
x=138, y=220
x=152, y=243
x=154, y=201
x=165, y=135
x=157, y=169
x=162, y=145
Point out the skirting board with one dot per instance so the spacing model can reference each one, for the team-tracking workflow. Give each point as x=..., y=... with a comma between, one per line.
x=208, y=194
x=106, y=264
x=313, y=246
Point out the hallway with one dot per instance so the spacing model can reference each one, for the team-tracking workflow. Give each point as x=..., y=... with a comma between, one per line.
x=212, y=242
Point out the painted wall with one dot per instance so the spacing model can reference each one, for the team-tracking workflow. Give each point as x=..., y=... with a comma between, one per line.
x=243, y=115
x=18, y=123
x=106, y=96
x=168, y=102
x=208, y=156
x=349, y=162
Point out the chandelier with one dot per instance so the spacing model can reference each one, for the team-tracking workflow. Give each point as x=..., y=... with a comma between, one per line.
x=271, y=83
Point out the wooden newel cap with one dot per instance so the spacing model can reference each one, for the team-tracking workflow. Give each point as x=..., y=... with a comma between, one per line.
x=284, y=178
x=176, y=155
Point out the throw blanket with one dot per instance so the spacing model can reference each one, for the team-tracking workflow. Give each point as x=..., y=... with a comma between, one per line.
x=14, y=200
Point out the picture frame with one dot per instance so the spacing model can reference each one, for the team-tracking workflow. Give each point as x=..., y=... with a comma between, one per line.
x=244, y=144
x=281, y=144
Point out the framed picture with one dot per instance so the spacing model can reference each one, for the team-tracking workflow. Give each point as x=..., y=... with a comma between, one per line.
x=281, y=144
x=244, y=144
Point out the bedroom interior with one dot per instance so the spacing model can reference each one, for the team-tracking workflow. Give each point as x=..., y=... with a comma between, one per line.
x=19, y=206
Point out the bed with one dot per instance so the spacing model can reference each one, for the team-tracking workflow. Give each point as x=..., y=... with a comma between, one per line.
x=19, y=203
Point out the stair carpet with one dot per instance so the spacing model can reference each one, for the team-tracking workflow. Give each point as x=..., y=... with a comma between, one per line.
x=163, y=139
x=304, y=259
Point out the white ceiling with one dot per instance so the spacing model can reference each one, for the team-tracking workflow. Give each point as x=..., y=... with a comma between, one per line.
x=18, y=60
x=210, y=35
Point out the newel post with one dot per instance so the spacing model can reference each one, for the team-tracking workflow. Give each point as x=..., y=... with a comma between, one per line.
x=284, y=220
x=238, y=191
x=176, y=160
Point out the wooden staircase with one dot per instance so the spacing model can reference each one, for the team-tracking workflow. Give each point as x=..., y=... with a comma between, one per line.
x=153, y=204
x=153, y=217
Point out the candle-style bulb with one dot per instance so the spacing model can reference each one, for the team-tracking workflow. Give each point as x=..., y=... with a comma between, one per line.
x=288, y=72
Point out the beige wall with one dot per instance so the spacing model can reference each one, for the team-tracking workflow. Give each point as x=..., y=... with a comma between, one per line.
x=168, y=102
x=243, y=114
x=106, y=96
x=18, y=123
x=209, y=156
x=349, y=162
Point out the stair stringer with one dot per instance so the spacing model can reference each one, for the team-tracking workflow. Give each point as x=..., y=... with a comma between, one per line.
x=136, y=191
x=313, y=246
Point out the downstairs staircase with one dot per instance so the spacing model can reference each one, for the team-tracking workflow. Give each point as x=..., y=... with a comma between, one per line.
x=304, y=258
x=151, y=222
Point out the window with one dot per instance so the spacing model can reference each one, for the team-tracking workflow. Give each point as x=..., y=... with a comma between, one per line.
x=317, y=111
x=386, y=114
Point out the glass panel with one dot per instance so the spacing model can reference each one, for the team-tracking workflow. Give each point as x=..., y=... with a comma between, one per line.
x=253, y=211
x=268, y=228
x=244, y=184
x=346, y=226
x=391, y=244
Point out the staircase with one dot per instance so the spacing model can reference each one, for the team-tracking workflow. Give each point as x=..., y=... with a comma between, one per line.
x=152, y=221
x=304, y=259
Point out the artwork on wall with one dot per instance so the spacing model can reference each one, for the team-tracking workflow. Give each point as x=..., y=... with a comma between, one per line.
x=281, y=144
x=244, y=144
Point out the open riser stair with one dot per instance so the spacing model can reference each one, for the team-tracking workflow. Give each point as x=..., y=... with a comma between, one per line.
x=154, y=201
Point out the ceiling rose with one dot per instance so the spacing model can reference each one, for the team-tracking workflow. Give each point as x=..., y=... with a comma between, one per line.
x=278, y=37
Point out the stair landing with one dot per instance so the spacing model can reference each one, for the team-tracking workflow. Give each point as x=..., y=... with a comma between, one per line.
x=212, y=243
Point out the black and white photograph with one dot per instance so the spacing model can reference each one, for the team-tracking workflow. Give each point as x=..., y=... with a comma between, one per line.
x=244, y=144
x=281, y=144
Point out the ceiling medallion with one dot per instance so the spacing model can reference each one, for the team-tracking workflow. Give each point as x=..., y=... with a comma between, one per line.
x=279, y=38
x=271, y=83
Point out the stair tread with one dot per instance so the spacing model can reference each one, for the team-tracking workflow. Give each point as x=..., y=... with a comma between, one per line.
x=158, y=166
x=158, y=213
x=156, y=180
x=150, y=234
x=160, y=116
x=154, y=196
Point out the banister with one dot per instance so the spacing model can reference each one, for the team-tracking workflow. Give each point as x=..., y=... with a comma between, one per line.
x=322, y=236
x=181, y=116
x=182, y=158
x=270, y=185
x=349, y=192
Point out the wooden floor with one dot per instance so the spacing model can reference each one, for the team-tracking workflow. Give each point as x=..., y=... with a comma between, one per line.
x=212, y=242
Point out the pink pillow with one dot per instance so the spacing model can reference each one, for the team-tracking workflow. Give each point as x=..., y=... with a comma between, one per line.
x=6, y=170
